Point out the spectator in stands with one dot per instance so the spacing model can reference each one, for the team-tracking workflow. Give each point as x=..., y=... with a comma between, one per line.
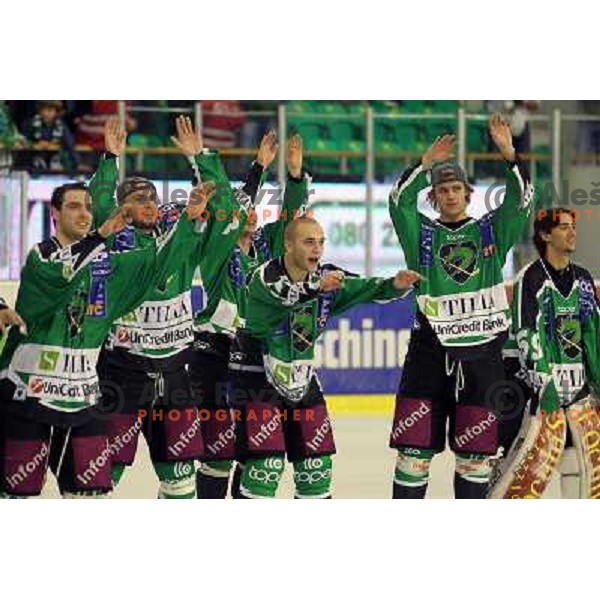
x=50, y=139
x=90, y=127
x=221, y=120
x=9, y=137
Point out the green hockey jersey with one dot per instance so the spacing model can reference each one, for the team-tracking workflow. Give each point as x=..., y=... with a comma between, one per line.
x=557, y=334
x=69, y=297
x=287, y=318
x=463, y=295
x=162, y=326
x=227, y=305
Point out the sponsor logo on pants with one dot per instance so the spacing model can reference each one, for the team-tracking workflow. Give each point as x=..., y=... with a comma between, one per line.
x=476, y=430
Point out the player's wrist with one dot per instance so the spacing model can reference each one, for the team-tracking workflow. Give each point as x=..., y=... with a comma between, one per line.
x=509, y=154
x=296, y=174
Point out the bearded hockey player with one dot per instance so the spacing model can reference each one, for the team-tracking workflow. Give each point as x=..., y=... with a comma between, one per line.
x=454, y=356
x=145, y=357
x=278, y=403
x=556, y=325
x=71, y=291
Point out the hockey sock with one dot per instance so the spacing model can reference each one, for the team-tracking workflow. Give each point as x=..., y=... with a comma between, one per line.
x=411, y=474
x=261, y=477
x=212, y=478
x=312, y=478
x=177, y=479
x=236, y=481
x=116, y=474
x=471, y=476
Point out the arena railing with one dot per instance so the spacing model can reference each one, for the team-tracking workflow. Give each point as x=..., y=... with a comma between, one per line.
x=370, y=154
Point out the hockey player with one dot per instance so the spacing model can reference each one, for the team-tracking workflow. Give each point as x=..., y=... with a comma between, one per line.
x=146, y=353
x=224, y=278
x=453, y=365
x=556, y=325
x=278, y=403
x=71, y=290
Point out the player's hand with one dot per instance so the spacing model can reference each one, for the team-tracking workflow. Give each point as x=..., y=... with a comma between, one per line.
x=267, y=151
x=115, y=136
x=188, y=140
x=199, y=198
x=293, y=155
x=406, y=279
x=502, y=136
x=442, y=149
x=9, y=317
x=122, y=217
x=332, y=281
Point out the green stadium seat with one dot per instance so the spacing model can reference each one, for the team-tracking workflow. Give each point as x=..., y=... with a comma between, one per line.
x=414, y=106
x=444, y=106
x=323, y=165
x=436, y=128
x=543, y=168
x=340, y=132
x=477, y=136
x=406, y=135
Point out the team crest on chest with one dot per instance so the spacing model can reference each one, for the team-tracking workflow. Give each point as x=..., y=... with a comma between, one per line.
x=459, y=260
x=569, y=335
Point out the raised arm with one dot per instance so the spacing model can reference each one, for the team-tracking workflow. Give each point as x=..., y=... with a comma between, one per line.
x=295, y=196
x=104, y=182
x=404, y=213
x=227, y=215
x=139, y=271
x=510, y=220
x=267, y=151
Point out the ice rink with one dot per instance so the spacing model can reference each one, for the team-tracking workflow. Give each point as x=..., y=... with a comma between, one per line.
x=363, y=465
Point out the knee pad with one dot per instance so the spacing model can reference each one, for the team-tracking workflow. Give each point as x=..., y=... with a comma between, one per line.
x=216, y=468
x=412, y=467
x=476, y=468
x=312, y=477
x=177, y=479
x=261, y=477
x=570, y=474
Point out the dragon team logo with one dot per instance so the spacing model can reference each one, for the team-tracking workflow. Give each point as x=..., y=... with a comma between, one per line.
x=301, y=328
x=459, y=260
x=569, y=335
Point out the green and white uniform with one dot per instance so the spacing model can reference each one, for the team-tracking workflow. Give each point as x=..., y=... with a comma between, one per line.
x=273, y=370
x=557, y=333
x=461, y=324
x=69, y=297
x=463, y=296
